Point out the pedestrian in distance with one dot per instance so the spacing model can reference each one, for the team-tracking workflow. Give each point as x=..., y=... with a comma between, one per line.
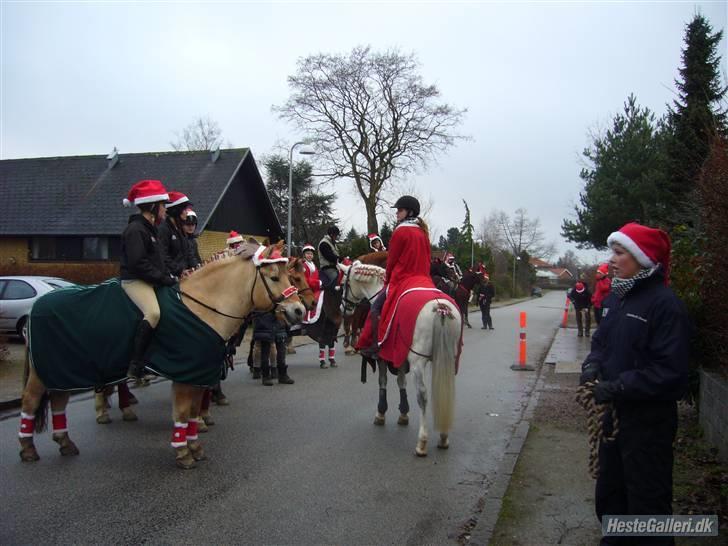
x=581, y=298
x=639, y=361
x=486, y=293
x=142, y=264
x=602, y=286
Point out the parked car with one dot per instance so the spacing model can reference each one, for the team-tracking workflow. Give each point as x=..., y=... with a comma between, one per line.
x=17, y=296
x=536, y=292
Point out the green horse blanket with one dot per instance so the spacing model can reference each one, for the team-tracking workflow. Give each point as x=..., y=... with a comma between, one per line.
x=81, y=337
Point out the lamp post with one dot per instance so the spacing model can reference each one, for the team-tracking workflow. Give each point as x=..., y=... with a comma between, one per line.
x=515, y=258
x=305, y=151
x=472, y=250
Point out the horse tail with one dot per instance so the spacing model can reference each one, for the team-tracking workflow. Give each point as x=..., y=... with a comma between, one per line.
x=41, y=414
x=26, y=367
x=445, y=339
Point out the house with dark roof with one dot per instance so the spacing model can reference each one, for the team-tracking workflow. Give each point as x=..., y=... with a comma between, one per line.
x=64, y=215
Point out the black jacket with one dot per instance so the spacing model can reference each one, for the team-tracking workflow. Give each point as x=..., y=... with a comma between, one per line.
x=643, y=341
x=174, y=247
x=193, y=253
x=141, y=255
x=486, y=293
x=580, y=301
x=268, y=328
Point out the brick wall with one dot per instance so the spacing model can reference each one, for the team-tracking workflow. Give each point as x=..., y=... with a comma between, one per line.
x=210, y=242
x=13, y=251
x=714, y=411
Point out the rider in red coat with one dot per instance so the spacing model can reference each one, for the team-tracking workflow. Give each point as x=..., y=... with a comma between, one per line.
x=409, y=256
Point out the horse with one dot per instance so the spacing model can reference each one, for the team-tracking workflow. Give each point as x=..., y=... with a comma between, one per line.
x=436, y=339
x=354, y=323
x=462, y=294
x=216, y=296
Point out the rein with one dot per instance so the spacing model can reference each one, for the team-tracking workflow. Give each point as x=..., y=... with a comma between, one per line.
x=351, y=304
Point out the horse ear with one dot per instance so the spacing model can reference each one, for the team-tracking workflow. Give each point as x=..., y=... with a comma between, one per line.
x=252, y=241
x=247, y=250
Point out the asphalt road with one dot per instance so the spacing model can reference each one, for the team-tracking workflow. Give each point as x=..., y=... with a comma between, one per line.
x=299, y=464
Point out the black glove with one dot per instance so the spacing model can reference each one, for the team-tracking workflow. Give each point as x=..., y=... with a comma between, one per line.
x=590, y=372
x=607, y=391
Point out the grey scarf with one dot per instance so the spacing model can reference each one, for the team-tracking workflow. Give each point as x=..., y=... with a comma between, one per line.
x=622, y=286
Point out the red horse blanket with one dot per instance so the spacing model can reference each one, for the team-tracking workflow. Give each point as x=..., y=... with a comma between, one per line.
x=399, y=316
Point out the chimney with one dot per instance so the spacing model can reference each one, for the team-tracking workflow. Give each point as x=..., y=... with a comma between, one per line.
x=113, y=158
x=215, y=154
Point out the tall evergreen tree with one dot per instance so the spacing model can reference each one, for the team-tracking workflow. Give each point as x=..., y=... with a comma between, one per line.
x=385, y=233
x=696, y=115
x=624, y=180
x=467, y=228
x=312, y=208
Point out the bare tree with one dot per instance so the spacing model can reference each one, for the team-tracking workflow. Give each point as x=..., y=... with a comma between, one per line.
x=371, y=116
x=517, y=234
x=202, y=134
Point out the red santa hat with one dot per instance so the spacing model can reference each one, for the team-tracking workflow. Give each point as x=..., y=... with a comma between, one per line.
x=146, y=191
x=275, y=257
x=346, y=261
x=234, y=237
x=308, y=246
x=649, y=246
x=602, y=270
x=177, y=198
x=580, y=287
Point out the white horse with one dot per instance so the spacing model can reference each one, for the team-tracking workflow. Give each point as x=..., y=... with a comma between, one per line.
x=436, y=338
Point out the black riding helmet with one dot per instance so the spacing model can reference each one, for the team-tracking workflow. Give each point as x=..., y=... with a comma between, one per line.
x=333, y=231
x=409, y=203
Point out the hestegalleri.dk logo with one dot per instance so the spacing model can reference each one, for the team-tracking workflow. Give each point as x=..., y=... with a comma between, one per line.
x=676, y=526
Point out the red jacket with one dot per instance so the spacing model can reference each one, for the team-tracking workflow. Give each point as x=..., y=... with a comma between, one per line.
x=409, y=254
x=312, y=277
x=601, y=291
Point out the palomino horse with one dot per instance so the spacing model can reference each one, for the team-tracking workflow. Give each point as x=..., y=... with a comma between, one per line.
x=297, y=279
x=436, y=339
x=251, y=277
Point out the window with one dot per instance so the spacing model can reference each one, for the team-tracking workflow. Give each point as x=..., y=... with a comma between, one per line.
x=18, y=290
x=75, y=249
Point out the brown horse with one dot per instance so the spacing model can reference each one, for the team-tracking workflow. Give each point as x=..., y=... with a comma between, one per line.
x=234, y=281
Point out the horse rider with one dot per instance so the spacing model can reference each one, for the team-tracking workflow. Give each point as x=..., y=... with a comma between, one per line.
x=193, y=255
x=409, y=255
x=142, y=263
x=329, y=258
x=450, y=262
x=234, y=240
x=376, y=243
x=310, y=270
x=171, y=235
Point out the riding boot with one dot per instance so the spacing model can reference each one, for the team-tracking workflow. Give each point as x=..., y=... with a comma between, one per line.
x=283, y=377
x=143, y=337
x=373, y=349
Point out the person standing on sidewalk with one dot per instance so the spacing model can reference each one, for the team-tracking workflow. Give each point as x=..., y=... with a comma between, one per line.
x=486, y=293
x=639, y=356
x=602, y=286
x=268, y=330
x=581, y=298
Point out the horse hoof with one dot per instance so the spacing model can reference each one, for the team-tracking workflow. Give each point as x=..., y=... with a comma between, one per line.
x=420, y=453
x=379, y=421
x=198, y=453
x=103, y=419
x=443, y=445
x=201, y=425
x=132, y=399
x=69, y=449
x=222, y=402
x=185, y=459
x=209, y=421
x=129, y=415
x=29, y=455
x=403, y=420
x=349, y=352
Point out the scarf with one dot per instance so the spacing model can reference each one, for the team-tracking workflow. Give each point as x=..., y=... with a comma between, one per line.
x=621, y=287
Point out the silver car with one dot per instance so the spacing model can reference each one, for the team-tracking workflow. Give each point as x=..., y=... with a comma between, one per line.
x=17, y=295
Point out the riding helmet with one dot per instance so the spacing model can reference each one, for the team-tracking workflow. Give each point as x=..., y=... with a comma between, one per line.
x=408, y=202
x=333, y=231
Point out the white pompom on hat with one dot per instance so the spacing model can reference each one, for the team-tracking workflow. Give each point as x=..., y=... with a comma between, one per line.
x=146, y=191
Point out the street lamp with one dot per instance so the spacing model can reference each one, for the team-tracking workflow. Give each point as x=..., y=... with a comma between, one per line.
x=515, y=259
x=305, y=151
x=472, y=248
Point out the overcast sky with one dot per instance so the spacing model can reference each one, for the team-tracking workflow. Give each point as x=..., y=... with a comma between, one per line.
x=80, y=78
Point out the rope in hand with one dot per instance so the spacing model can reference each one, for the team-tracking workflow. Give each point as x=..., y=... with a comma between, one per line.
x=595, y=423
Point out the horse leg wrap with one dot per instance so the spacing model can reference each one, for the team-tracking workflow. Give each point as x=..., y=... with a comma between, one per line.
x=382, y=406
x=403, y=402
x=27, y=425
x=60, y=424
x=322, y=354
x=179, y=435
x=191, y=430
x=124, y=396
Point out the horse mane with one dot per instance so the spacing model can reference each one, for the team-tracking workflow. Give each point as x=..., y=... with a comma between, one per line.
x=374, y=258
x=365, y=273
x=216, y=258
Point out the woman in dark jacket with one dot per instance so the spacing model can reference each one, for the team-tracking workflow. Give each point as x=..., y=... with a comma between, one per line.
x=639, y=357
x=175, y=246
x=142, y=265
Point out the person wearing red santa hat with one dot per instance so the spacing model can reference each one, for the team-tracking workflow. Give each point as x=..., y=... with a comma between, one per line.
x=234, y=240
x=310, y=270
x=638, y=363
x=376, y=243
x=602, y=286
x=142, y=263
x=581, y=298
x=174, y=242
x=409, y=255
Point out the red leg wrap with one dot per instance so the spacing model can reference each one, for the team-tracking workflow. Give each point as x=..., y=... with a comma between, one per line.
x=332, y=353
x=192, y=429
x=179, y=436
x=124, y=395
x=27, y=425
x=59, y=422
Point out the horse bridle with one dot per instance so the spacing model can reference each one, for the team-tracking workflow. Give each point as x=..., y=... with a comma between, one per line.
x=276, y=301
x=351, y=304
